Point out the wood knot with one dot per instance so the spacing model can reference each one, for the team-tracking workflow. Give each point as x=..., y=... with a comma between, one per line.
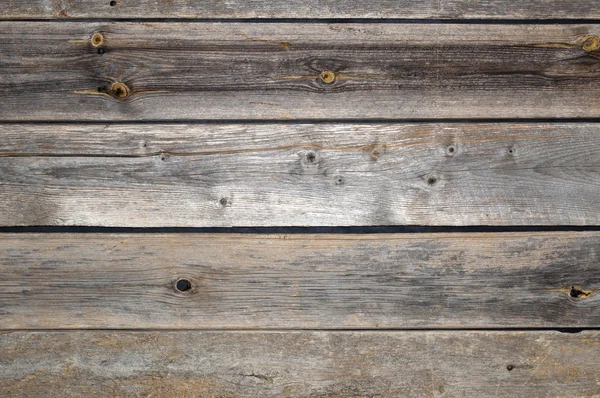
x=183, y=285
x=97, y=39
x=591, y=43
x=577, y=292
x=327, y=77
x=374, y=150
x=311, y=157
x=432, y=180
x=119, y=90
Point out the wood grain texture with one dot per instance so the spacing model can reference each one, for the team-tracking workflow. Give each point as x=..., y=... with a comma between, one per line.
x=213, y=175
x=192, y=71
x=302, y=364
x=448, y=9
x=299, y=281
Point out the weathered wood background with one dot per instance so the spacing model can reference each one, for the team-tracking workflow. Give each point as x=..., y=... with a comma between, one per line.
x=231, y=71
x=318, y=9
x=211, y=175
x=300, y=281
x=204, y=114
x=299, y=364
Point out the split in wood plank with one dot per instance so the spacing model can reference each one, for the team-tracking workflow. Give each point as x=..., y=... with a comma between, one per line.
x=101, y=71
x=299, y=364
x=172, y=281
x=404, y=9
x=212, y=175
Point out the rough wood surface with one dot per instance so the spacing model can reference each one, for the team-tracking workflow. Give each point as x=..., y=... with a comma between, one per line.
x=452, y=9
x=191, y=71
x=212, y=175
x=301, y=364
x=300, y=281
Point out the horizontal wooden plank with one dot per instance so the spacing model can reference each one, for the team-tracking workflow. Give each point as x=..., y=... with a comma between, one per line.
x=192, y=71
x=463, y=280
x=213, y=175
x=448, y=9
x=301, y=364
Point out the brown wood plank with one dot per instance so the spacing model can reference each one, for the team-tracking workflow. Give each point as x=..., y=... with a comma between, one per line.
x=448, y=9
x=302, y=364
x=212, y=175
x=463, y=280
x=191, y=71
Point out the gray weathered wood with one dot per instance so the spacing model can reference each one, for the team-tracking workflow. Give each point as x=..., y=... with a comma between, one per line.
x=455, y=9
x=301, y=364
x=51, y=71
x=300, y=281
x=212, y=175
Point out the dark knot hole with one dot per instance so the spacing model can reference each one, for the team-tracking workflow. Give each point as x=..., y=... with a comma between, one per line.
x=577, y=293
x=183, y=285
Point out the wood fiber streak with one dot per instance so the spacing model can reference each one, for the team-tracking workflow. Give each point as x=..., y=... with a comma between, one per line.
x=301, y=364
x=211, y=175
x=232, y=71
x=460, y=280
x=448, y=9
